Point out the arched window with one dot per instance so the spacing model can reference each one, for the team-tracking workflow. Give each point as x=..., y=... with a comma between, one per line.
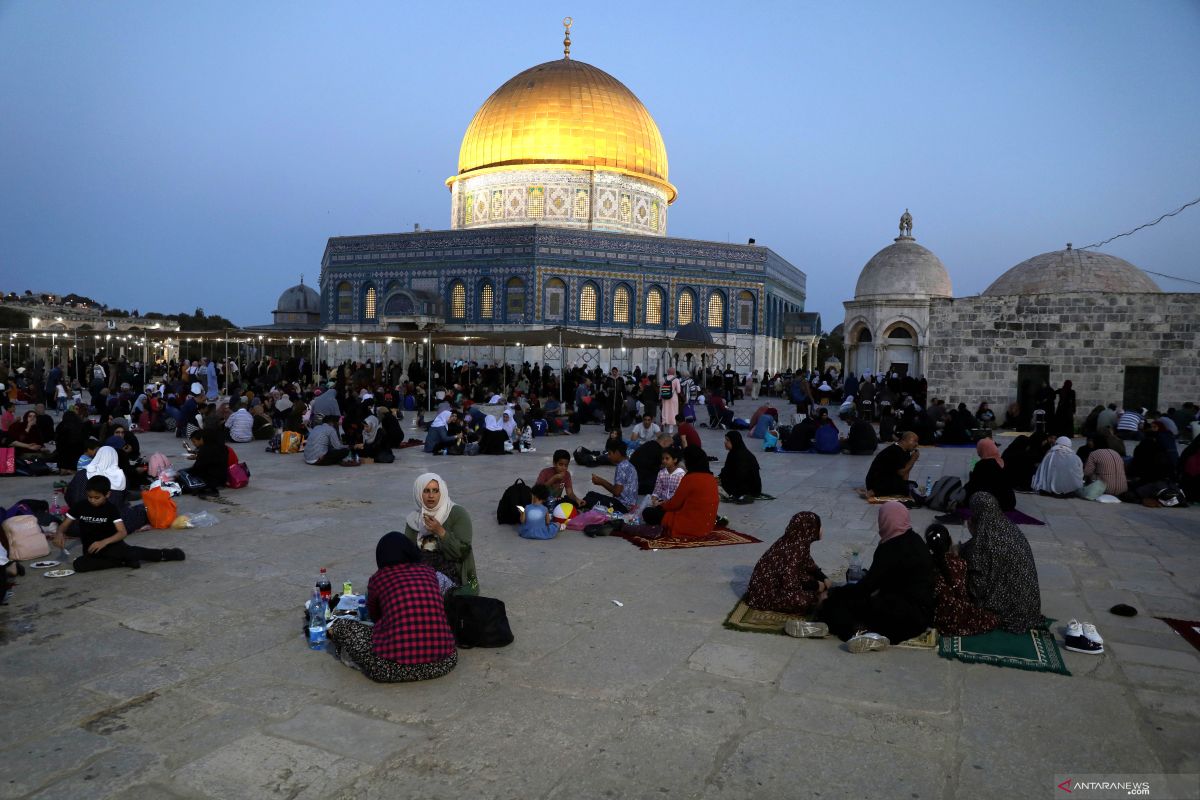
x=345, y=299
x=458, y=300
x=556, y=298
x=588, y=300
x=369, y=302
x=621, y=310
x=716, y=310
x=746, y=310
x=900, y=332
x=654, y=306
x=864, y=335
x=514, y=299
x=487, y=298
x=685, y=308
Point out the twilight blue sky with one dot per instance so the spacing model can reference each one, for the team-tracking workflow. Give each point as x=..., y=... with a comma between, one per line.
x=166, y=155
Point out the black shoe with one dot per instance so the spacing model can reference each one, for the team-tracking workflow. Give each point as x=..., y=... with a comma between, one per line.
x=949, y=519
x=173, y=554
x=603, y=529
x=132, y=563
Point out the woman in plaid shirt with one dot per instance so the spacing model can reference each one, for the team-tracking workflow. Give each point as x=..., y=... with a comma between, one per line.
x=410, y=639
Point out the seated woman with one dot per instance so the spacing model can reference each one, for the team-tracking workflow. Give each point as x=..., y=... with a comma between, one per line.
x=958, y=426
x=1148, y=470
x=69, y=439
x=894, y=601
x=800, y=439
x=438, y=438
x=827, y=442
x=26, y=438
x=740, y=477
x=692, y=510
x=989, y=476
x=409, y=639
x=493, y=438
x=212, y=461
x=443, y=532
x=1021, y=459
x=1001, y=573
x=984, y=416
x=557, y=478
x=861, y=439
x=1061, y=472
x=786, y=579
x=955, y=614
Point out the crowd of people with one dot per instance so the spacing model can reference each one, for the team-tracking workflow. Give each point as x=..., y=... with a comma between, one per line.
x=662, y=484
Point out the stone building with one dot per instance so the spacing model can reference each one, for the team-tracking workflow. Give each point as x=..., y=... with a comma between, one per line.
x=558, y=218
x=1077, y=315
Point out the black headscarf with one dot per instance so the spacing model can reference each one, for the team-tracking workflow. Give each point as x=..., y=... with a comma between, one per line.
x=396, y=548
x=740, y=477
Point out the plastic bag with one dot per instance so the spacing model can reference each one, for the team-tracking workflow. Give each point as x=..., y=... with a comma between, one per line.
x=202, y=520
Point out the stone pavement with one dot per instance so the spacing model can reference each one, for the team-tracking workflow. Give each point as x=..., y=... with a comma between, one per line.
x=192, y=680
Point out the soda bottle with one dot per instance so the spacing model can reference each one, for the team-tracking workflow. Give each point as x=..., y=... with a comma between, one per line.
x=854, y=572
x=323, y=585
x=316, y=621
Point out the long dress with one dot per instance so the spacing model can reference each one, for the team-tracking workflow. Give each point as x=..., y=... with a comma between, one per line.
x=1001, y=573
x=670, y=407
x=955, y=614
x=785, y=578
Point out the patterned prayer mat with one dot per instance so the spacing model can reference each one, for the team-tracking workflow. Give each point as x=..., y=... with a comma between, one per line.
x=745, y=618
x=1035, y=650
x=727, y=499
x=1016, y=515
x=718, y=537
x=1188, y=629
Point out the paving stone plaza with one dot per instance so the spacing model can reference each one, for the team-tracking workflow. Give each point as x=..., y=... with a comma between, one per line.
x=192, y=680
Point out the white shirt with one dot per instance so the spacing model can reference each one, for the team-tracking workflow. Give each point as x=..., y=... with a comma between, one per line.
x=642, y=433
x=241, y=426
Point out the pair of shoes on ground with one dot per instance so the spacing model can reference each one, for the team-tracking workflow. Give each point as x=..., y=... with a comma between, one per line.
x=1083, y=638
x=861, y=642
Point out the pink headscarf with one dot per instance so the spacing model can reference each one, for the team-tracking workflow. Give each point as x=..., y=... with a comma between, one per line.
x=986, y=448
x=893, y=520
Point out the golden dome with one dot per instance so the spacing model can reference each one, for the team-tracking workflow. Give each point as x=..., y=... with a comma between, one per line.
x=569, y=115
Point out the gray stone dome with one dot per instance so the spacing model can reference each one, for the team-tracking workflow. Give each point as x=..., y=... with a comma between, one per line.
x=299, y=298
x=903, y=269
x=1071, y=270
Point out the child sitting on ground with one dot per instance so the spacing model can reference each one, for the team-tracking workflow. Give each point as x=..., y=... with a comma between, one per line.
x=89, y=452
x=536, y=522
x=103, y=533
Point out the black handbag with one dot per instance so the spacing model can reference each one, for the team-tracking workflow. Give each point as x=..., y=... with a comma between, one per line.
x=189, y=483
x=478, y=621
x=385, y=456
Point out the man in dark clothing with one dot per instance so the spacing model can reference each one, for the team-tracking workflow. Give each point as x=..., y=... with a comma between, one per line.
x=729, y=379
x=861, y=440
x=800, y=439
x=647, y=460
x=888, y=474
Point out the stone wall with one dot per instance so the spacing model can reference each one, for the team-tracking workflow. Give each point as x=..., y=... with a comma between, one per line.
x=977, y=343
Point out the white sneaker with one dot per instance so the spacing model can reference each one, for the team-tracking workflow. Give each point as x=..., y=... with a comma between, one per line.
x=866, y=642
x=805, y=629
x=1077, y=640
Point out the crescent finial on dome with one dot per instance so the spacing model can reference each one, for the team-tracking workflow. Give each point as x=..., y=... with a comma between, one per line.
x=567, y=23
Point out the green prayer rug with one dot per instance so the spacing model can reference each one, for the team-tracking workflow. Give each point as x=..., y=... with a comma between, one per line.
x=1034, y=650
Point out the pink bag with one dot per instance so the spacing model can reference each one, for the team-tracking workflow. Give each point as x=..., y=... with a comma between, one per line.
x=25, y=538
x=8, y=460
x=158, y=462
x=581, y=521
x=238, y=477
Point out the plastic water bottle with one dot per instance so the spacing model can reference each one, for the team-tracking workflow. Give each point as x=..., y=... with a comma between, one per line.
x=316, y=621
x=854, y=573
x=363, y=614
x=323, y=585
x=928, y=485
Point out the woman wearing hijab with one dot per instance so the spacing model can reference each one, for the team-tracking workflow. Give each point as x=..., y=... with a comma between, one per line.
x=1061, y=472
x=1064, y=415
x=668, y=404
x=1149, y=469
x=1021, y=459
x=786, y=579
x=25, y=436
x=740, y=477
x=956, y=614
x=895, y=600
x=691, y=512
x=989, y=476
x=410, y=639
x=69, y=439
x=494, y=436
x=1001, y=573
x=442, y=530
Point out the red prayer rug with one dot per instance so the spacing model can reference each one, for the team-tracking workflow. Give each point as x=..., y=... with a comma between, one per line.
x=1188, y=629
x=718, y=538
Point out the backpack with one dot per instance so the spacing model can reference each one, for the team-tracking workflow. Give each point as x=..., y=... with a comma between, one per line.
x=947, y=494
x=25, y=538
x=666, y=392
x=587, y=458
x=478, y=621
x=516, y=495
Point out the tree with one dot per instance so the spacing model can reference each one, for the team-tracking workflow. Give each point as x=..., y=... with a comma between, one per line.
x=831, y=344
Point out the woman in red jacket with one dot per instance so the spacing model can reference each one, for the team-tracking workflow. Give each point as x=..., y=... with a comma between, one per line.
x=692, y=510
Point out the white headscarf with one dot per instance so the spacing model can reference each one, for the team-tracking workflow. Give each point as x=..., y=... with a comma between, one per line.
x=492, y=423
x=509, y=424
x=105, y=463
x=1061, y=471
x=441, y=420
x=416, y=520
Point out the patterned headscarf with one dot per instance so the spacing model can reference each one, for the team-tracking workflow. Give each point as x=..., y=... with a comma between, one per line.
x=1001, y=573
x=779, y=578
